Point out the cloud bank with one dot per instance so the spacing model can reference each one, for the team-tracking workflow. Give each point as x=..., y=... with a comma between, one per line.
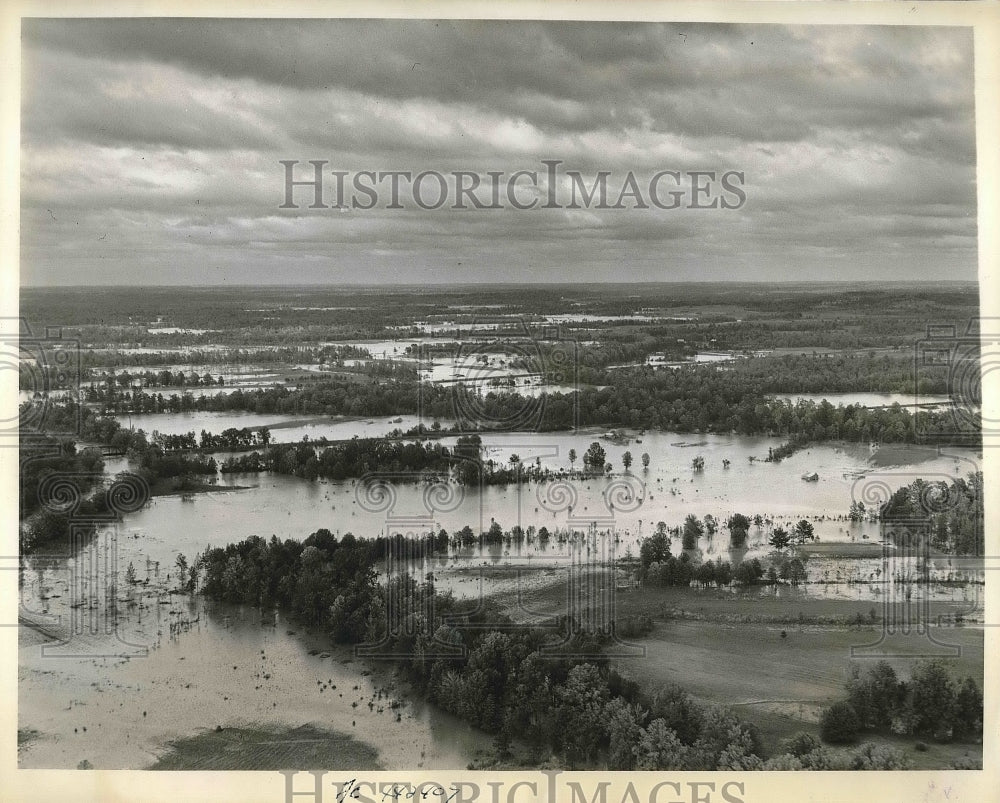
x=151, y=149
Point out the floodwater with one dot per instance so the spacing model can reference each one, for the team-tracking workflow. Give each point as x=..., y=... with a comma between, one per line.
x=629, y=503
x=213, y=421
x=172, y=666
x=184, y=680
x=283, y=428
x=661, y=360
x=866, y=399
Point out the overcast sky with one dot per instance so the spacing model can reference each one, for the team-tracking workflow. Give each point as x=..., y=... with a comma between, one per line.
x=150, y=149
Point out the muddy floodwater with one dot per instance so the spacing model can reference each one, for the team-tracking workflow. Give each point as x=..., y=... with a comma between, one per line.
x=112, y=674
x=197, y=665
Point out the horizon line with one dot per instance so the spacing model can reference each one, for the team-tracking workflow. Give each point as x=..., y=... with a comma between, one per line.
x=439, y=285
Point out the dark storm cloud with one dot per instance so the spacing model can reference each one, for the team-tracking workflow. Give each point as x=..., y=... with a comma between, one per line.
x=151, y=146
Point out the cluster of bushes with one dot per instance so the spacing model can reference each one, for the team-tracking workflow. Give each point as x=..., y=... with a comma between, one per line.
x=804, y=752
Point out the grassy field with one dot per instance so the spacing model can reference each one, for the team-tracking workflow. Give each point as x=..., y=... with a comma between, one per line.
x=780, y=683
x=672, y=602
x=728, y=649
x=302, y=748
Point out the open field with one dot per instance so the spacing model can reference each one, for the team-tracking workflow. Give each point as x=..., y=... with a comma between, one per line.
x=672, y=602
x=729, y=649
x=783, y=683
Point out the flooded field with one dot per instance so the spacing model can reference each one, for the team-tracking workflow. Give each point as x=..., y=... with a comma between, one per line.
x=867, y=399
x=283, y=428
x=195, y=666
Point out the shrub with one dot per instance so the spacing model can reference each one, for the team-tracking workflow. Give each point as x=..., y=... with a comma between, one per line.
x=800, y=744
x=634, y=626
x=786, y=761
x=823, y=758
x=871, y=756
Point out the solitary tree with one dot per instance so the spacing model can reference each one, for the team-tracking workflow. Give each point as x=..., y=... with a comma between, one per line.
x=875, y=696
x=932, y=700
x=595, y=457
x=627, y=460
x=698, y=464
x=839, y=724
x=780, y=538
x=572, y=458
x=739, y=526
x=659, y=748
x=693, y=530
x=803, y=532
x=969, y=709
x=645, y=461
x=182, y=569
x=655, y=549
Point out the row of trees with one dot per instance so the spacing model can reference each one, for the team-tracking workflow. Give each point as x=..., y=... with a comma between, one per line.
x=353, y=458
x=164, y=378
x=693, y=529
x=312, y=459
x=683, y=570
x=659, y=567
